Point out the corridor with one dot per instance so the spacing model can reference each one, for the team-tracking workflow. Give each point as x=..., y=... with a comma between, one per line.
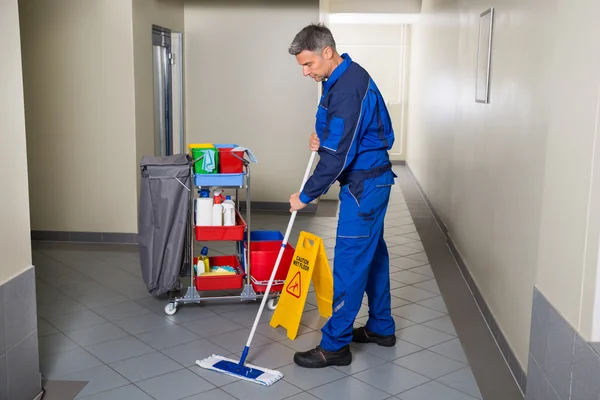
x=101, y=337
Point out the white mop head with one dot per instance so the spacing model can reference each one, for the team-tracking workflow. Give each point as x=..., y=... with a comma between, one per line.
x=267, y=378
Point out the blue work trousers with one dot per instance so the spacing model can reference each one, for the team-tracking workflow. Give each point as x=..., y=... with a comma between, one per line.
x=361, y=262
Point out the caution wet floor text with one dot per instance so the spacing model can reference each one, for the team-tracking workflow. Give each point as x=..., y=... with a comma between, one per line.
x=309, y=263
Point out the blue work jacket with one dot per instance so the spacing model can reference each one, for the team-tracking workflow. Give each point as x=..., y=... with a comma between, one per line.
x=353, y=125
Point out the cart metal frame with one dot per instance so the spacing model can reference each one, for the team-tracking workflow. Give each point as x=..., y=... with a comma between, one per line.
x=248, y=294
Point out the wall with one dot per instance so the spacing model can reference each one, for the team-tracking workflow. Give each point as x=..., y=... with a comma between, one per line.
x=165, y=13
x=243, y=87
x=380, y=50
x=80, y=114
x=15, y=246
x=375, y=6
x=19, y=357
x=483, y=166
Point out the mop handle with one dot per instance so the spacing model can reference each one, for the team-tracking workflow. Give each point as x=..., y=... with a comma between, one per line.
x=281, y=250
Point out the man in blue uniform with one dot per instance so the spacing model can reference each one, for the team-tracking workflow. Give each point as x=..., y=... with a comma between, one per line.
x=353, y=135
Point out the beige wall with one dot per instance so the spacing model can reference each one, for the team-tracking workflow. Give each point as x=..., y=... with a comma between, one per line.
x=80, y=110
x=375, y=6
x=168, y=14
x=379, y=49
x=15, y=245
x=483, y=166
x=243, y=87
x=570, y=225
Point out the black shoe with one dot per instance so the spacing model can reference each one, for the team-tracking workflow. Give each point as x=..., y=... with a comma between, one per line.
x=319, y=358
x=362, y=335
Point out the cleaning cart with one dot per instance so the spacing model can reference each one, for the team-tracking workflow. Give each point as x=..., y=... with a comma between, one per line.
x=226, y=167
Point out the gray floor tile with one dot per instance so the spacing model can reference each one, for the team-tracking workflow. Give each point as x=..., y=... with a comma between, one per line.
x=361, y=360
x=175, y=386
x=252, y=391
x=434, y=390
x=430, y=364
x=303, y=396
x=419, y=257
x=234, y=341
x=406, y=263
x=411, y=293
x=401, y=349
x=105, y=297
x=391, y=378
x=245, y=318
x=416, y=313
x=167, y=337
x=348, y=388
x=395, y=240
x=313, y=319
x=272, y=356
x=215, y=394
x=452, y=349
x=408, y=277
x=55, y=344
x=402, y=250
x=416, y=245
x=422, y=336
x=412, y=235
x=75, y=320
x=424, y=270
x=67, y=363
x=462, y=380
x=96, y=334
x=279, y=333
x=100, y=379
x=304, y=342
x=119, y=349
x=436, y=303
x=212, y=326
x=58, y=307
x=44, y=328
x=187, y=354
x=143, y=323
x=189, y=313
x=129, y=392
x=145, y=366
x=309, y=378
x=216, y=378
x=120, y=311
x=430, y=285
x=443, y=324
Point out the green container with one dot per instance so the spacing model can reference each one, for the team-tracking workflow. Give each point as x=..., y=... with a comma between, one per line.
x=198, y=166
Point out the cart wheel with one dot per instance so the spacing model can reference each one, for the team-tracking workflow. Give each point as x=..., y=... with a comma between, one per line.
x=272, y=304
x=171, y=308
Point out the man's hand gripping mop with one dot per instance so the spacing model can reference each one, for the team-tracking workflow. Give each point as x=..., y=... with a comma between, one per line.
x=239, y=369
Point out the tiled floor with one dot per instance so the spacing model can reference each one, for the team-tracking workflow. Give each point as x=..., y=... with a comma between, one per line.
x=98, y=324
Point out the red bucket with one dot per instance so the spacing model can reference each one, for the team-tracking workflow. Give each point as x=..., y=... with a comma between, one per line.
x=263, y=256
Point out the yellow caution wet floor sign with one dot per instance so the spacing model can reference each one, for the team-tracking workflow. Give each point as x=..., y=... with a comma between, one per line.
x=309, y=263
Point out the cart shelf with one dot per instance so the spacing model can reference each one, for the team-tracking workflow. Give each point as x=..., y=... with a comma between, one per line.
x=219, y=180
x=230, y=233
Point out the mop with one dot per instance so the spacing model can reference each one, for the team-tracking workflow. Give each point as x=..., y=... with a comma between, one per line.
x=241, y=370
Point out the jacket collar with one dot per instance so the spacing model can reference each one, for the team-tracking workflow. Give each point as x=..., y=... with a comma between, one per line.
x=337, y=72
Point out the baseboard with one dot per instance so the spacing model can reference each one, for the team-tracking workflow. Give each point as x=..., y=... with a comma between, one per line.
x=398, y=162
x=274, y=206
x=518, y=373
x=84, y=237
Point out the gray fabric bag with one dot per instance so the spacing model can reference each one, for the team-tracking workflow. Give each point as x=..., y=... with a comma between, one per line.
x=163, y=220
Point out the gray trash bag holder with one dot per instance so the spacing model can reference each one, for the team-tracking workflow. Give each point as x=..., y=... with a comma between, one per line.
x=163, y=220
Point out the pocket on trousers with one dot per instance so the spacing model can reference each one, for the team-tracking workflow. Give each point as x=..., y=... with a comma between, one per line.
x=353, y=223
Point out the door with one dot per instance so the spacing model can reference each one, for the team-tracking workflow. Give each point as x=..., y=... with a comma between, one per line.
x=163, y=91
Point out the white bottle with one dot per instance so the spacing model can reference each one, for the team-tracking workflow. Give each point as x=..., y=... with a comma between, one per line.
x=217, y=217
x=228, y=212
x=204, y=209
